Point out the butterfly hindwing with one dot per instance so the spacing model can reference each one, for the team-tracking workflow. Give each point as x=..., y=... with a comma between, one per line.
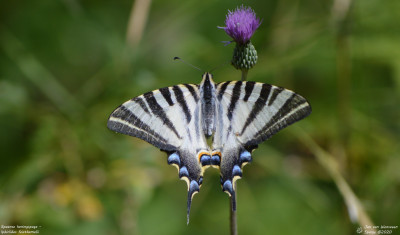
x=249, y=113
x=168, y=118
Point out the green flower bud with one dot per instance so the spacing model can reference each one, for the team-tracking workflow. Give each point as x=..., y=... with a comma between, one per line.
x=244, y=56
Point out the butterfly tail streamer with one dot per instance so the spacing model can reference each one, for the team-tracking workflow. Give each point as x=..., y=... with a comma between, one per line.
x=232, y=170
x=188, y=172
x=193, y=189
x=233, y=200
x=228, y=188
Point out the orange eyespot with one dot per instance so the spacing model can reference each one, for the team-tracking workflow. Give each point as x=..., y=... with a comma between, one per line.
x=217, y=153
x=200, y=154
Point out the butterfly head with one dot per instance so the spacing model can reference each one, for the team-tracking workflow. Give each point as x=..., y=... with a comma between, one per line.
x=207, y=80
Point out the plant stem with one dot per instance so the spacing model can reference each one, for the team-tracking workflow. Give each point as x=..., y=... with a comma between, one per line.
x=244, y=74
x=233, y=215
x=137, y=21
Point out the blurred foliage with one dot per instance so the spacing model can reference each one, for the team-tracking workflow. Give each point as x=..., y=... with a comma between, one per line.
x=65, y=65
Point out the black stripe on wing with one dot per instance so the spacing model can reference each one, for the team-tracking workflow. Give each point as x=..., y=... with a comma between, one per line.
x=258, y=105
x=294, y=109
x=275, y=93
x=157, y=110
x=234, y=98
x=141, y=103
x=123, y=121
x=192, y=91
x=167, y=95
x=182, y=102
x=248, y=90
x=222, y=88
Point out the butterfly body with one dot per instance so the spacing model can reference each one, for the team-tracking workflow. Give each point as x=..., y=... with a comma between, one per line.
x=238, y=115
x=207, y=92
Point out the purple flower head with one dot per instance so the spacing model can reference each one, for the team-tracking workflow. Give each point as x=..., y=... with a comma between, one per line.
x=241, y=24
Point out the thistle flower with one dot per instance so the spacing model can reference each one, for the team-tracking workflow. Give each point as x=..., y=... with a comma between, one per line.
x=240, y=25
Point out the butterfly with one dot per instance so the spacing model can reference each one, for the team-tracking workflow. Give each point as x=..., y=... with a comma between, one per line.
x=238, y=115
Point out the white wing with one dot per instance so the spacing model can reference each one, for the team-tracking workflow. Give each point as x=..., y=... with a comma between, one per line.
x=249, y=113
x=170, y=119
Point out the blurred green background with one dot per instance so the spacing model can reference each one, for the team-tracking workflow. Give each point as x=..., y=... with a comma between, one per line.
x=65, y=65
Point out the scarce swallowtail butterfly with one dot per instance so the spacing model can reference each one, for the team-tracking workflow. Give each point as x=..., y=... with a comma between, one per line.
x=239, y=115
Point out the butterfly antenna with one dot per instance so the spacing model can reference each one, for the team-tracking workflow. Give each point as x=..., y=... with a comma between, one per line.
x=187, y=63
x=219, y=66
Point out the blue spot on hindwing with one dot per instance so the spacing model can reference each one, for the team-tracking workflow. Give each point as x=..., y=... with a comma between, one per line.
x=215, y=160
x=174, y=159
x=236, y=171
x=227, y=187
x=194, y=186
x=183, y=172
x=205, y=160
x=245, y=156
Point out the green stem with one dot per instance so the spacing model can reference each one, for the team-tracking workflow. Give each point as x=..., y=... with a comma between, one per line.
x=244, y=74
x=233, y=218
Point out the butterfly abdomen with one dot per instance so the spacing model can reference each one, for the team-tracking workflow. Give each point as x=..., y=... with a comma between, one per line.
x=207, y=91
